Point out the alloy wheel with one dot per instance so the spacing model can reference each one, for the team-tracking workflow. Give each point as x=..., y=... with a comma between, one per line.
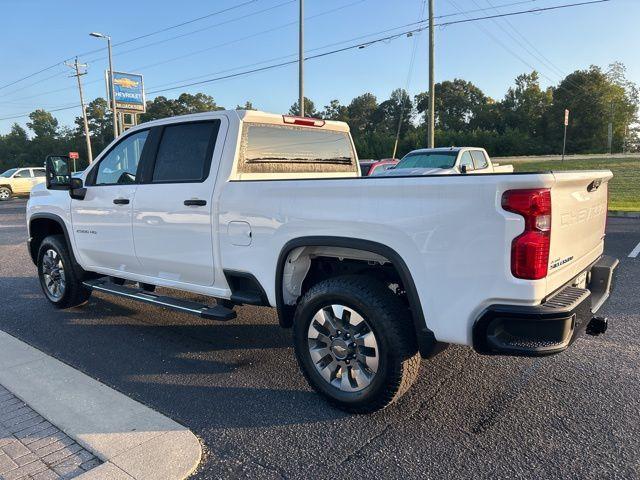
x=53, y=274
x=343, y=348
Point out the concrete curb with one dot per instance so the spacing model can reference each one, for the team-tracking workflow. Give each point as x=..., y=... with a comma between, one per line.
x=623, y=214
x=133, y=441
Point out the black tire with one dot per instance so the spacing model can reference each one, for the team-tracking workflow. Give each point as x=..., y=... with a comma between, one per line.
x=74, y=293
x=5, y=194
x=390, y=321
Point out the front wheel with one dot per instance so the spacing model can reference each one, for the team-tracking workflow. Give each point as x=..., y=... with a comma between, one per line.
x=5, y=193
x=355, y=343
x=58, y=278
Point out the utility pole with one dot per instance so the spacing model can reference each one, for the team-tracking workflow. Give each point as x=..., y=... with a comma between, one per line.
x=564, y=139
x=610, y=131
x=76, y=66
x=432, y=100
x=301, y=60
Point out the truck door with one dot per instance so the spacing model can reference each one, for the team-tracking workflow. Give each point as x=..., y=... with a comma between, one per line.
x=102, y=220
x=22, y=181
x=173, y=207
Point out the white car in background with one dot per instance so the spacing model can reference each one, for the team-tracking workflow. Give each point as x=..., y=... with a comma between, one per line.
x=447, y=161
x=20, y=181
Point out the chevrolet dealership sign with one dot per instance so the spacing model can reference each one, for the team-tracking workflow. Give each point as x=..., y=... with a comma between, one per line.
x=129, y=92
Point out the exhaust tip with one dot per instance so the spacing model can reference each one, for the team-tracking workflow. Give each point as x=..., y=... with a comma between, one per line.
x=597, y=325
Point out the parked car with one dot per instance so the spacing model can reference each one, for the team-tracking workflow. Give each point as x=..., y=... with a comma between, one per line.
x=253, y=208
x=379, y=167
x=447, y=161
x=365, y=165
x=20, y=181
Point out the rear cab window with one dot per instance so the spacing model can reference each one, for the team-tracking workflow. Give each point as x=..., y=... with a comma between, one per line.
x=479, y=159
x=185, y=152
x=272, y=151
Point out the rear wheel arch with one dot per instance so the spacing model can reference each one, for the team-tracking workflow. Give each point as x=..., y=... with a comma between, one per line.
x=427, y=343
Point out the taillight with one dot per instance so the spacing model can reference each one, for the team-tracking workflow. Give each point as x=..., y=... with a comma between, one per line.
x=306, y=121
x=530, y=249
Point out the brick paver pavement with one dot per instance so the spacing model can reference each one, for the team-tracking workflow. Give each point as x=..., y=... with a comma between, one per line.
x=32, y=448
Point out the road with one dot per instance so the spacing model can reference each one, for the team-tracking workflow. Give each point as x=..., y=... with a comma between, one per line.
x=237, y=386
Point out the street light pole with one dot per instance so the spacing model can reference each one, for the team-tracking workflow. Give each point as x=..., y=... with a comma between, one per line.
x=301, y=60
x=432, y=100
x=111, y=85
x=77, y=66
x=113, y=91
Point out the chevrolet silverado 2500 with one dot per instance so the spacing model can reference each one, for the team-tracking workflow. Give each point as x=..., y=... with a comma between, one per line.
x=372, y=273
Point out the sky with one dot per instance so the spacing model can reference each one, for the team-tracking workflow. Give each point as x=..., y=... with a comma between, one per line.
x=249, y=34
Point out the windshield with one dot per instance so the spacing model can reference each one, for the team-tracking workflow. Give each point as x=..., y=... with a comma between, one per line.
x=9, y=172
x=428, y=160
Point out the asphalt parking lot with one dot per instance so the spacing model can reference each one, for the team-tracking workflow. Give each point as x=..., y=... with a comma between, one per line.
x=236, y=385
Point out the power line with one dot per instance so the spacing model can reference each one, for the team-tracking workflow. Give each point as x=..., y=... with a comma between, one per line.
x=197, y=51
x=385, y=39
x=127, y=41
x=192, y=32
x=423, y=6
x=69, y=107
x=355, y=46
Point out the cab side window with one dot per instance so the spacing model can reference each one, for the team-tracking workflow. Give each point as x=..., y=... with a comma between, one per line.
x=466, y=160
x=39, y=172
x=479, y=159
x=25, y=173
x=120, y=165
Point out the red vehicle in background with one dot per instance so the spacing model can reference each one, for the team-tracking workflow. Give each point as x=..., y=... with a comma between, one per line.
x=376, y=167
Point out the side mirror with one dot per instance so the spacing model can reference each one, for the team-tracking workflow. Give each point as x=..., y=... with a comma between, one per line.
x=58, y=172
x=463, y=169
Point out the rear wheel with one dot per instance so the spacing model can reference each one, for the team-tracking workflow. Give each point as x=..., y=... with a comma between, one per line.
x=355, y=344
x=5, y=193
x=59, y=280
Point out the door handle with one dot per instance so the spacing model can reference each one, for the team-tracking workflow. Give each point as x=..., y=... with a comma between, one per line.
x=194, y=202
x=121, y=201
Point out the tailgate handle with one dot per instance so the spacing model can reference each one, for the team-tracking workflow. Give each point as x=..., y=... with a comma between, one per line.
x=593, y=186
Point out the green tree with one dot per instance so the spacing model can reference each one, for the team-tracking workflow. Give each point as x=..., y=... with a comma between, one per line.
x=14, y=148
x=399, y=108
x=335, y=111
x=309, y=108
x=248, y=105
x=524, y=106
x=360, y=112
x=100, y=123
x=43, y=124
x=458, y=104
x=163, y=107
x=594, y=99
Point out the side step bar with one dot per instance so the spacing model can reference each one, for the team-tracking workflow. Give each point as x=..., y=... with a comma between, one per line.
x=217, y=312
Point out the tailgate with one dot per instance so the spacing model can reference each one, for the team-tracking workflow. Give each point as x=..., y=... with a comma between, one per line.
x=578, y=219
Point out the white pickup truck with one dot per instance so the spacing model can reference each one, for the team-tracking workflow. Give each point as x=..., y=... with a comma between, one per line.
x=447, y=161
x=371, y=272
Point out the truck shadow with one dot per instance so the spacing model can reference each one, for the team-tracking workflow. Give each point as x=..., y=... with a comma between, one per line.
x=238, y=374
